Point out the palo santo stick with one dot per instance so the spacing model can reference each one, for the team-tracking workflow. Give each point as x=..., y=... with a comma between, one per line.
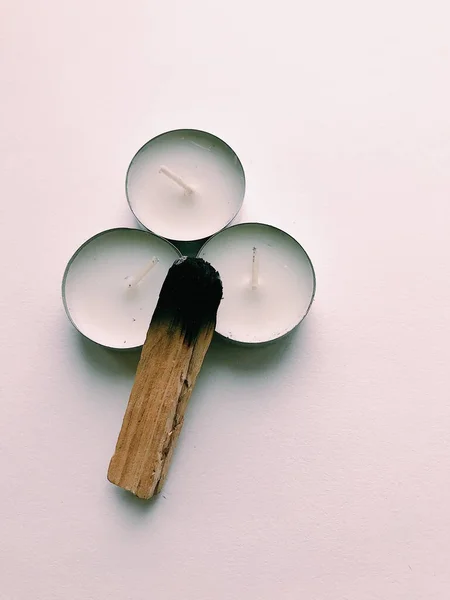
x=177, y=340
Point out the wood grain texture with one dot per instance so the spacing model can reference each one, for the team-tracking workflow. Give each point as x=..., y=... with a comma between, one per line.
x=165, y=377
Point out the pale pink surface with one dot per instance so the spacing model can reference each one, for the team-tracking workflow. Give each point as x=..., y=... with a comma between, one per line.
x=316, y=469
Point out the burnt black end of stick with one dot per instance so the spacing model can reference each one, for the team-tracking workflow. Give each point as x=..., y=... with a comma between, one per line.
x=189, y=297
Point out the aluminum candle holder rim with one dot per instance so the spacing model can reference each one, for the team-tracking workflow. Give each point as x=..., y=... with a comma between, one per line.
x=313, y=292
x=69, y=264
x=193, y=130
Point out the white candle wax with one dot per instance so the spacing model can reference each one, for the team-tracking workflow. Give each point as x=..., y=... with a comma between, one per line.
x=268, y=281
x=112, y=283
x=185, y=185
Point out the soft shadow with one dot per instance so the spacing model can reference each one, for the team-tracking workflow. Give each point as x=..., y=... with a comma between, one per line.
x=110, y=362
x=252, y=359
x=132, y=510
x=133, y=504
x=189, y=248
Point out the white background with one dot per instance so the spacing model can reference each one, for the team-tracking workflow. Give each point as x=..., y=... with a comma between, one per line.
x=317, y=469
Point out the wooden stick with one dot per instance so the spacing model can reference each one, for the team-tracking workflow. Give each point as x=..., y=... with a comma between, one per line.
x=177, y=340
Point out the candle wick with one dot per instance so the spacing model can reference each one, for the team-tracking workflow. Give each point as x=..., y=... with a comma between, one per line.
x=135, y=280
x=255, y=268
x=177, y=179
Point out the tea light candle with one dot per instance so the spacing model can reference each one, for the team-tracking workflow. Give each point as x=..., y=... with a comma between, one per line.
x=111, y=285
x=268, y=282
x=185, y=185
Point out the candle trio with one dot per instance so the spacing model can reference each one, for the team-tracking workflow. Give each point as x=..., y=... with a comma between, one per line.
x=187, y=185
x=126, y=288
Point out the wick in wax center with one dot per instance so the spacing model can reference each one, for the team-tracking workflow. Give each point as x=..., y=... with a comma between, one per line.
x=188, y=189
